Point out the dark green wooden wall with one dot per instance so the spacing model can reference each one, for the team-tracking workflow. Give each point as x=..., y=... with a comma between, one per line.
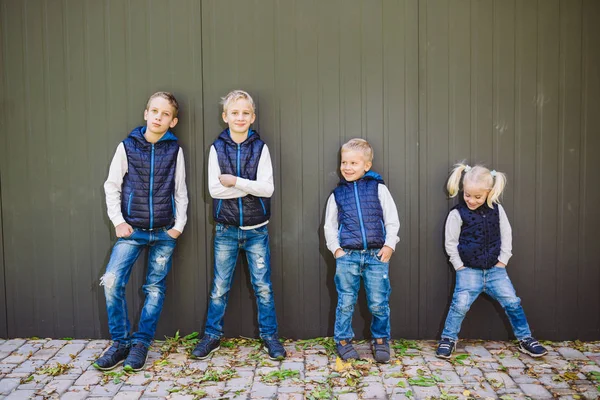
x=514, y=84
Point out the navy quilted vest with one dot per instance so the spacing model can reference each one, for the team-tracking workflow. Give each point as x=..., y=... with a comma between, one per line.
x=360, y=215
x=240, y=159
x=147, y=197
x=479, y=241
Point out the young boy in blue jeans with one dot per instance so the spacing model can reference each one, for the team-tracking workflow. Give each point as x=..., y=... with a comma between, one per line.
x=240, y=181
x=361, y=230
x=146, y=197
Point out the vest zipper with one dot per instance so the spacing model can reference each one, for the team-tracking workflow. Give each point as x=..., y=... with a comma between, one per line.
x=263, y=205
x=486, y=239
x=239, y=198
x=219, y=207
x=151, y=206
x=129, y=204
x=360, y=218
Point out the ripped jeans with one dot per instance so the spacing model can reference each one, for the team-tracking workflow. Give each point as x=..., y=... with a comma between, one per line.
x=470, y=283
x=124, y=254
x=350, y=268
x=229, y=240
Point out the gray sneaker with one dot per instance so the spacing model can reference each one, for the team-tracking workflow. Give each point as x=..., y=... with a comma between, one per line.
x=381, y=350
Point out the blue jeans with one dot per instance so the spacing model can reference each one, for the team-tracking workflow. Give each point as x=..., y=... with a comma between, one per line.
x=470, y=283
x=229, y=240
x=124, y=254
x=350, y=268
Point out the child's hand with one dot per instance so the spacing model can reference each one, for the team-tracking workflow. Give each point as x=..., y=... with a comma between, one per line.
x=123, y=230
x=385, y=254
x=501, y=264
x=174, y=233
x=339, y=253
x=227, y=180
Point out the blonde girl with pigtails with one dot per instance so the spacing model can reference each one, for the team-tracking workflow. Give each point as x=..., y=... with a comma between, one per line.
x=478, y=240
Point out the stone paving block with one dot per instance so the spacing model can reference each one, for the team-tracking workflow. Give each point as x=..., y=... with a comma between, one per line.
x=75, y=394
x=239, y=382
x=29, y=366
x=55, y=343
x=288, y=396
x=135, y=396
x=261, y=390
x=290, y=389
x=412, y=360
x=11, y=345
x=37, y=382
x=98, y=344
x=7, y=385
x=479, y=351
x=56, y=387
x=348, y=396
x=449, y=378
x=316, y=361
x=413, y=371
x=159, y=389
x=15, y=358
x=571, y=354
x=481, y=390
x=91, y=377
x=374, y=390
x=109, y=389
x=7, y=368
x=436, y=363
x=21, y=395
x=547, y=380
x=500, y=377
x=535, y=391
x=132, y=388
x=44, y=354
x=422, y=392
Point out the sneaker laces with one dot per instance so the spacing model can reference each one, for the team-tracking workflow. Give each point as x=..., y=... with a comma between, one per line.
x=204, y=344
x=445, y=346
x=530, y=342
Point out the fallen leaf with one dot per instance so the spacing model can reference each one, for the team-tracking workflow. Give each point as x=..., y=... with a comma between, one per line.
x=341, y=365
x=466, y=393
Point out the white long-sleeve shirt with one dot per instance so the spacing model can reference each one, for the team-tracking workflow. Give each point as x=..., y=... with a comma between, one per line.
x=453, y=228
x=114, y=182
x=390, y=220
x=261, y=187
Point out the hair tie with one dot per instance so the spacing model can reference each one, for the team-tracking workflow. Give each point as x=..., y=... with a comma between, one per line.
x=493, y=173
x=467, y=168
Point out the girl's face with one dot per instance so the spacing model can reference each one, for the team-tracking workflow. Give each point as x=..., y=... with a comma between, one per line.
x=474, y=195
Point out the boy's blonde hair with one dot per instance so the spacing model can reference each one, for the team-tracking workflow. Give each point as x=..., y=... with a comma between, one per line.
x=358, y=144
x=235, y=95
x=168, y=97
x=491, y=180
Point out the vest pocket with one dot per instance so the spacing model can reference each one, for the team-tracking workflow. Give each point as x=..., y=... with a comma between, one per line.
x=129, y=204
x=382, y=229
x=173, y=205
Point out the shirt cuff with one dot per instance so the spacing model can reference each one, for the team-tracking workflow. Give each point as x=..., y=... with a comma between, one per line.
x=178, y=226
x=118, y=220
x=503, y=258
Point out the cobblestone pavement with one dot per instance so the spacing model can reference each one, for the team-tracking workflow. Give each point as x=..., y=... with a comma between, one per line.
x=45, y=368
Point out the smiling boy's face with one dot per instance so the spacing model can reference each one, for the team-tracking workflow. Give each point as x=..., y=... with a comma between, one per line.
x=354, y=165
x=159, y=116
x=239, y=116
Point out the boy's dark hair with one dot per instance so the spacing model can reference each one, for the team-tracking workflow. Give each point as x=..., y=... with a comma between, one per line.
x=167, y=96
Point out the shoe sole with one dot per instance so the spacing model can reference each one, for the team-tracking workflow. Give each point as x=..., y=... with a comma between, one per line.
x=107, y=368
x=206, y=356
x=273, y=358
x=522, y=350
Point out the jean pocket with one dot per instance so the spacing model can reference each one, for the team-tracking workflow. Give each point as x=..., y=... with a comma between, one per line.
x=221, y=228
x=261, y=230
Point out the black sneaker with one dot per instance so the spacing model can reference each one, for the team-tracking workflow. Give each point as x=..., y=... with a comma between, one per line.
x=346, y=350
x=274, y=349
x=206, y=347
x=445, y=348
x=112, y=357
x=532, y=347
x=381, y=350
x=137, y=357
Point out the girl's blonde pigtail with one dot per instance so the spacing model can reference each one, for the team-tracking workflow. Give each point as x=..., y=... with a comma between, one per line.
x=497, y=189
x=453, y=184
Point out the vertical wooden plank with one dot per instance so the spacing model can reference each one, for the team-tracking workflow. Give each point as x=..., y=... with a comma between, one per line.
x=17, y=223
x=436, y=145
x=544, y=314
x=330, y=130
x=570, y=139
x=185, y=287
x=523, y=218
x=3, y=128
x=588, y=294
x=400, y=151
